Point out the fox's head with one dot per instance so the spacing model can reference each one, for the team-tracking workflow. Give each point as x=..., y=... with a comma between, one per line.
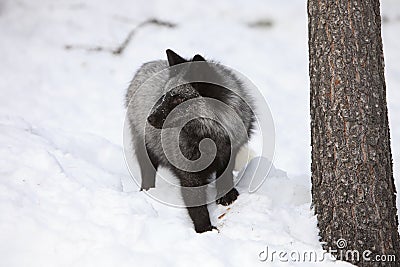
x=168, y=102
x=184, y=91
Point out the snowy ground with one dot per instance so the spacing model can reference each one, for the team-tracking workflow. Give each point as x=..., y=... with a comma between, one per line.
x=66, y=197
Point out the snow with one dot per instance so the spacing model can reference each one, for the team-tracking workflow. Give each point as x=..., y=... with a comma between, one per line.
x=66, y=196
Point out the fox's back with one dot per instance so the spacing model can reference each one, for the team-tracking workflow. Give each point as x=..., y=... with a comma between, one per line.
x=151, y=79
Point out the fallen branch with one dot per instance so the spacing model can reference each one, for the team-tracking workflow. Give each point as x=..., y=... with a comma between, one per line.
x=121, y=48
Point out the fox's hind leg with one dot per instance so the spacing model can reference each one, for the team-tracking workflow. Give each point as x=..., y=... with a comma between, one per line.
x=148, y=165
x=226, y=192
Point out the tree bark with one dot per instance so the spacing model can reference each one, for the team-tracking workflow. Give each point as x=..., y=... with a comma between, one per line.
x=353, y=189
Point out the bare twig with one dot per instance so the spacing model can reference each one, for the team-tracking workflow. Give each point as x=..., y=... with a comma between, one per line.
x=262, y=23
x=121, y=47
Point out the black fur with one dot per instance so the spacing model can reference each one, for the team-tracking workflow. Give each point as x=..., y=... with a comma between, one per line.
x=191, y=134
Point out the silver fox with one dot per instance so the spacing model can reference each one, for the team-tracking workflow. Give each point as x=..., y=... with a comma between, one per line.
x=161, y=88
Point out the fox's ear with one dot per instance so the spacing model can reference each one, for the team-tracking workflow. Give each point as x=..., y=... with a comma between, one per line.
x=174, y=58
x=198, y=58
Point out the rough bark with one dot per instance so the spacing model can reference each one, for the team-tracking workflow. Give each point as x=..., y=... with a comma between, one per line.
x=353, y=188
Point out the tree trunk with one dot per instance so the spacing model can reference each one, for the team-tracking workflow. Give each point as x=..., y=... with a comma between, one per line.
x=353, y=188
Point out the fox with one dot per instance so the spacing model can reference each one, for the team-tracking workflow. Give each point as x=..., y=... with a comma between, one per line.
x=159, y=98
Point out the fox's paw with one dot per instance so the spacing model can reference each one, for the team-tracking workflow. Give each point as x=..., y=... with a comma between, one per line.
x=229, y=198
